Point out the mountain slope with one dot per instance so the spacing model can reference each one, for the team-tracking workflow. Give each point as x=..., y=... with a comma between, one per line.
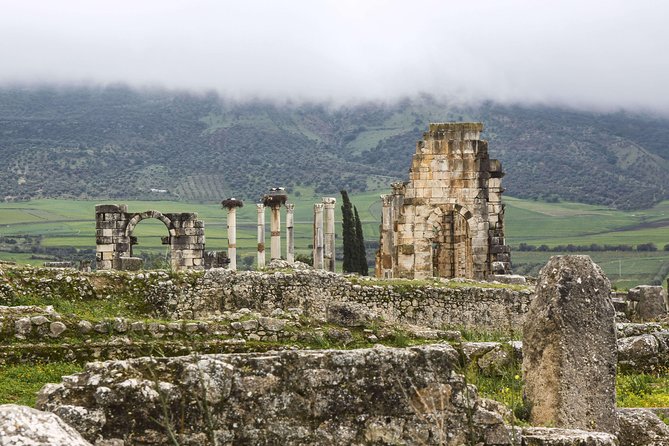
x=118, y=143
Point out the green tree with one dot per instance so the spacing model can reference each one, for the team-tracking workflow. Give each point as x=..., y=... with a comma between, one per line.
x=348, y=233
x=361, y=254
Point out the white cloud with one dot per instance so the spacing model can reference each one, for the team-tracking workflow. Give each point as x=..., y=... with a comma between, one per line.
x=597, y=54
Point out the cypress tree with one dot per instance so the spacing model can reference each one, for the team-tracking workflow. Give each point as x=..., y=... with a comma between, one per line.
x=348, y=233
x=361, y=254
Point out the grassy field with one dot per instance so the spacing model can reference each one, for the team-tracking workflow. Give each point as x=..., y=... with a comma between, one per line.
x=70, y=223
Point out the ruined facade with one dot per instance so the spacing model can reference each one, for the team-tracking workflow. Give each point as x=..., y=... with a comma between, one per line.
x=114, y=240
x=448, y=219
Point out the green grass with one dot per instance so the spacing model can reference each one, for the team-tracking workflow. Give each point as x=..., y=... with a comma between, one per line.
x=70, y=223
x=642, y=390
x=20, y=383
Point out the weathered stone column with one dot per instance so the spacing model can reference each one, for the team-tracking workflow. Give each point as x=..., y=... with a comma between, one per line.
x=385, y=262
x=329, y=235
x=318, y=236
x=290, y=236
x=275, y=234
x=569, y=347
x=231, y=204
x=261, y=235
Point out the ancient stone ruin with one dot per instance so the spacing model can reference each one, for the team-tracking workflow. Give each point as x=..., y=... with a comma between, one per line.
x=114, y=240
x=448, y=219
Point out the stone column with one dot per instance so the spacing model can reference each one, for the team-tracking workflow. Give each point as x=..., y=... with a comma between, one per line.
x=290, y=237
x=318, y=236
x=261, y=235
x=275, y=235
x=385, y=254
x=329, y=234
x=569, y=347
x=232, y=238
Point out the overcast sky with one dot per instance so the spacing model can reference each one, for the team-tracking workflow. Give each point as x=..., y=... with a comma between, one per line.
x=603, y=54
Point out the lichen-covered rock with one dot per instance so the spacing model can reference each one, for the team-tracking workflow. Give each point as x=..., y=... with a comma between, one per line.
x=21, y=425
x=365, y=396
x=639, y=352
x=569, y=347
x=542, y=436
x=641, y=427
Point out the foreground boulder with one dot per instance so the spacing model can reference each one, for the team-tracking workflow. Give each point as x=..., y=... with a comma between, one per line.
x=569, y=347
x=21, y=425
x=366, y=396
x=641, y=427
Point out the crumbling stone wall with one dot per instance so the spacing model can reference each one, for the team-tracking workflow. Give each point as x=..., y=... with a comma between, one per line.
x=448, y=219
x=191, y=295
x=365, y=396
x=114, y=240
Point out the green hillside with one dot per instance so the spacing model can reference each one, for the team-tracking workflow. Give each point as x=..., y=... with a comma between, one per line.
x=119, y=143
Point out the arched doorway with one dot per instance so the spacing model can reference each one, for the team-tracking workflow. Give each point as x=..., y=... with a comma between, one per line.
x=452, y=247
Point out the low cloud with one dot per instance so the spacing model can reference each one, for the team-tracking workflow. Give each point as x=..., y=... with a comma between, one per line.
x=601, y=55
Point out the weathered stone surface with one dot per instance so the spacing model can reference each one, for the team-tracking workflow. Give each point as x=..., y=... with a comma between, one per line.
x=650, y=302
x=21, y=425
x=448, y=219
x=569, y=347
x=496, y=361
x=641, y=427
x=638, y=352
x=366, y=396
x=541, y=436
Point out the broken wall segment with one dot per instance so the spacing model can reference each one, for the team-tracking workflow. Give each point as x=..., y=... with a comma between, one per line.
x=114, y=240
x=448, y=219
x=569, y=347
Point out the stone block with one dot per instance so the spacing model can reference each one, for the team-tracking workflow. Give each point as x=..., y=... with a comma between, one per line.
x=130, y=263
x=569, y=347
x=651, y=301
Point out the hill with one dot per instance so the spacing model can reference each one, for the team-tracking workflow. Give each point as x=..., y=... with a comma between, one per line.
x=119, y=143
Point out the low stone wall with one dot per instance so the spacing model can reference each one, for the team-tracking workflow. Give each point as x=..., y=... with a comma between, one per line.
x=201, y=295
x=327, y=397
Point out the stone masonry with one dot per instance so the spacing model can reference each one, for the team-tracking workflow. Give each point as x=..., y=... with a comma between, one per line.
x=448, y=219
x=114, y=240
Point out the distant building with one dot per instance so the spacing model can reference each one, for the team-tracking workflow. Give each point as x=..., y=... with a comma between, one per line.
x=448, y=219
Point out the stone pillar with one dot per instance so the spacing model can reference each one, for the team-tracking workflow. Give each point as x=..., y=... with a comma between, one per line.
x=329, y=234
x=110, y=240
x=290, y=236
x=569, y=348
x=275, y=235
x=232, y=238
x=188, y=243
x=318, y=236
x=386, y=267
x=261, y=235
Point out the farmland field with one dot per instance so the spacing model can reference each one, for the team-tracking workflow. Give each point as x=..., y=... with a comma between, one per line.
x=71, y=224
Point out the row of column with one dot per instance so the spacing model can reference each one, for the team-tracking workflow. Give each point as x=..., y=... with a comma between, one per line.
x=275, y=233
x=323, y=242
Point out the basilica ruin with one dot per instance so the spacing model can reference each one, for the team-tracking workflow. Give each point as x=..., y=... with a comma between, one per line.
x=448, y=219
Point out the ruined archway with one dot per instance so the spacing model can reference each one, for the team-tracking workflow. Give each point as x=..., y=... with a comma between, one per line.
x=114, y=239
x=452, y=243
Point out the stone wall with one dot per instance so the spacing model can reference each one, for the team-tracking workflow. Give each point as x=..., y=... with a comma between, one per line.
x=191, y=295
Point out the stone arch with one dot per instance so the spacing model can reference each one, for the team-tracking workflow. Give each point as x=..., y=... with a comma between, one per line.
x=114, y=227
x=452, y=253
x=134, y=221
